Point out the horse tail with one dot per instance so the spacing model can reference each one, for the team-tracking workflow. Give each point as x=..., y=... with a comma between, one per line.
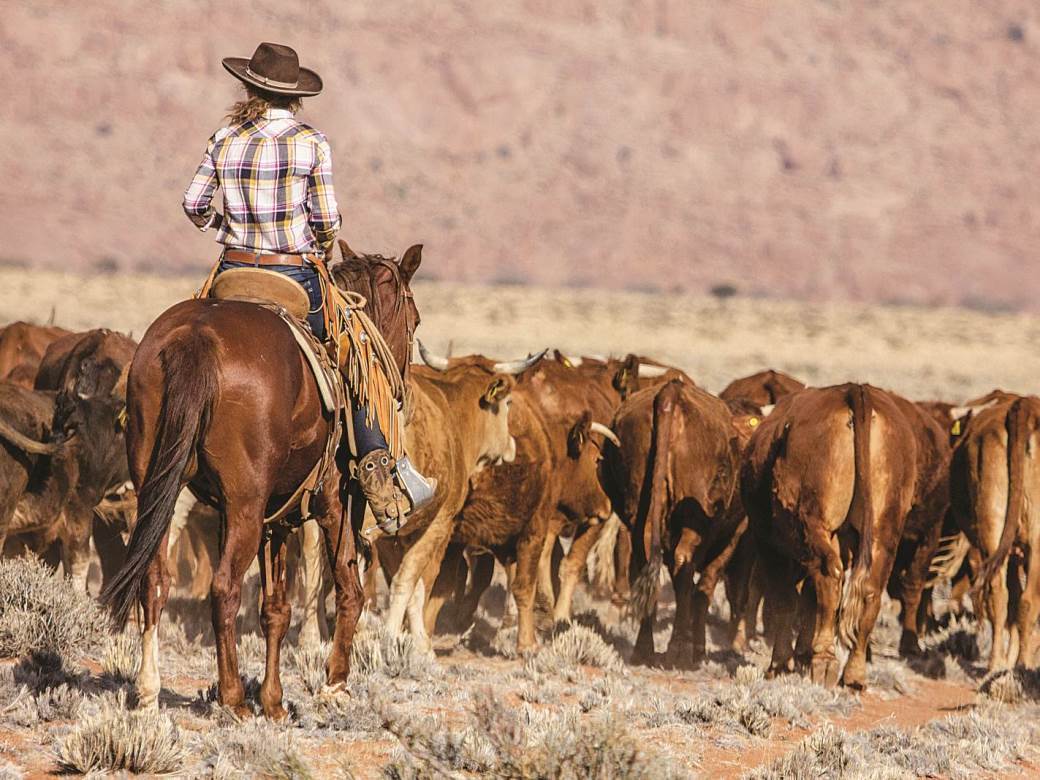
x=644, y=589
x=861, y=513
x=1017, y=424
x=189, y=365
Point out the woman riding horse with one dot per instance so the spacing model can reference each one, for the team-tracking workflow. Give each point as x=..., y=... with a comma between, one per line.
x=221, y=399
x=280, y=213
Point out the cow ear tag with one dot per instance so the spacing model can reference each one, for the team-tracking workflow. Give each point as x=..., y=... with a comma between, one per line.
x=956, y=429
x=753, y=422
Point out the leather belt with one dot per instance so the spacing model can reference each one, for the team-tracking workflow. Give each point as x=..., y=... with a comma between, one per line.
x=256, y=258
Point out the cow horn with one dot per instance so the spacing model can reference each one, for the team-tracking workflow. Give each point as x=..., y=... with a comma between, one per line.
x=519, y=366
x=607, y=433
x=652, y=372
x=433, y=361
x=23, y=442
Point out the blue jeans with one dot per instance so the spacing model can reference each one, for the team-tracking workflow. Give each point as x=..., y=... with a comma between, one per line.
x=308, y=279
x=367, y=437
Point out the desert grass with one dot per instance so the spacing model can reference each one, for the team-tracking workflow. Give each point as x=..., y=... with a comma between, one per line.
x=42, y=612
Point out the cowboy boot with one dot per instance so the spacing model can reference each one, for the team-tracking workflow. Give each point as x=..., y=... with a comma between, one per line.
x=388, y=504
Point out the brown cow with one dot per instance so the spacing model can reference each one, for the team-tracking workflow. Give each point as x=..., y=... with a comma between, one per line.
x=750, y=399
x=588, y=384
x=830, y=473
x=673, y=483
x=86, y=370
x=516, y=509
x=21, y=349
x=995, y=500
x=762, y=389
x=613, y=380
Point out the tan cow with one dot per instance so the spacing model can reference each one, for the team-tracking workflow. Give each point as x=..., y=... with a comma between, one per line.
x=515, y=510
x=832, y=474
x=995, y=500
x=457, y=424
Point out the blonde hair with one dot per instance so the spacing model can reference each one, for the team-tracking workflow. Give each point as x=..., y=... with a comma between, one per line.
x=256, y=102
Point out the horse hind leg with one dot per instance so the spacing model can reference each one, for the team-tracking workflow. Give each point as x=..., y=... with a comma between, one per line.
x=243, y=522
x=154, y=591
x=275, y=615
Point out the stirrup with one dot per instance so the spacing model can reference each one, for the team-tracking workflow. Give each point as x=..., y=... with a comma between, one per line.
x=414, y=485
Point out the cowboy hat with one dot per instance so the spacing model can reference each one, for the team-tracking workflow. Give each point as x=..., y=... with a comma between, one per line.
x=274, y=68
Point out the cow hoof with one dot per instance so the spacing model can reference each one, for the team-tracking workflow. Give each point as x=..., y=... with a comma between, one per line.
x=778, y=670
x=854, y=682
x=824, y=671
x=276, y=713
x=239, y=713
x=909, y=647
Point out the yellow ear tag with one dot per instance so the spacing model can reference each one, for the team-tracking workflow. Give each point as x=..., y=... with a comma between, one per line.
x=753, y=422
x=956, y=429
x=121, y=418
x=567, y=363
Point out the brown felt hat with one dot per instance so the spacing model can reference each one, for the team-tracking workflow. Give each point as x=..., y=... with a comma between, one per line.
x=275, y=68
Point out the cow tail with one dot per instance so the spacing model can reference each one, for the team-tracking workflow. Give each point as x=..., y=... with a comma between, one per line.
x=861, y=514
x=601, y=568
x=190, y=368
x=1016, y=422
x=644, y=589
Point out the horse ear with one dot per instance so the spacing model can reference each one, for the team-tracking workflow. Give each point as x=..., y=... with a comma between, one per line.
x=345, y=251
x=410, y=262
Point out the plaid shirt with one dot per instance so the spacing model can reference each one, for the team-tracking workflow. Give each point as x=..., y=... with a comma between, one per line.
x=276, y=175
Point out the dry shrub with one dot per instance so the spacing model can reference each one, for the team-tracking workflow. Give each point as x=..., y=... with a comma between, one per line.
x=121, y=656
x=377, y=651
x=502, y=742
x=41, y=612
x=58, y=703
x=889, y=678
x=574, y=646
x=1011, y=686
x=824, y=753
x=751, y=704
x=309, y=662
x=960, y=746
x=257, y=748
x=140, y=741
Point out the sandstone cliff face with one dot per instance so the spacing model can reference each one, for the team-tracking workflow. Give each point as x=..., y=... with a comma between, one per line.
x=796, y=148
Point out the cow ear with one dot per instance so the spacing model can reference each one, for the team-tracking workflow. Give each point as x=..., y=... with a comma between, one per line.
x=627, y=376
x=497, y=391
x=410, y=262
x=579, y=434
x=345, y=251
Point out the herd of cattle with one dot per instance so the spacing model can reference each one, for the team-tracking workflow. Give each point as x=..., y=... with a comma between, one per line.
x=806, y=503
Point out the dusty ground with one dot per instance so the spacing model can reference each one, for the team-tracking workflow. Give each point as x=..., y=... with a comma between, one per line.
x=719, y=721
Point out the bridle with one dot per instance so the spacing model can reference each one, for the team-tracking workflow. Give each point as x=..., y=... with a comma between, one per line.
x=359, y=272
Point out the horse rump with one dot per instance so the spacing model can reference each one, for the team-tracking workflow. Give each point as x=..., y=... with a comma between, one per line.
x=189, y=385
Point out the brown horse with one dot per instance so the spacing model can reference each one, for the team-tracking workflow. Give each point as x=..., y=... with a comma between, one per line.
x=221, y=399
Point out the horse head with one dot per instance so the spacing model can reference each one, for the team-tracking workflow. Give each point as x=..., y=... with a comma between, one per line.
x=384, y=283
